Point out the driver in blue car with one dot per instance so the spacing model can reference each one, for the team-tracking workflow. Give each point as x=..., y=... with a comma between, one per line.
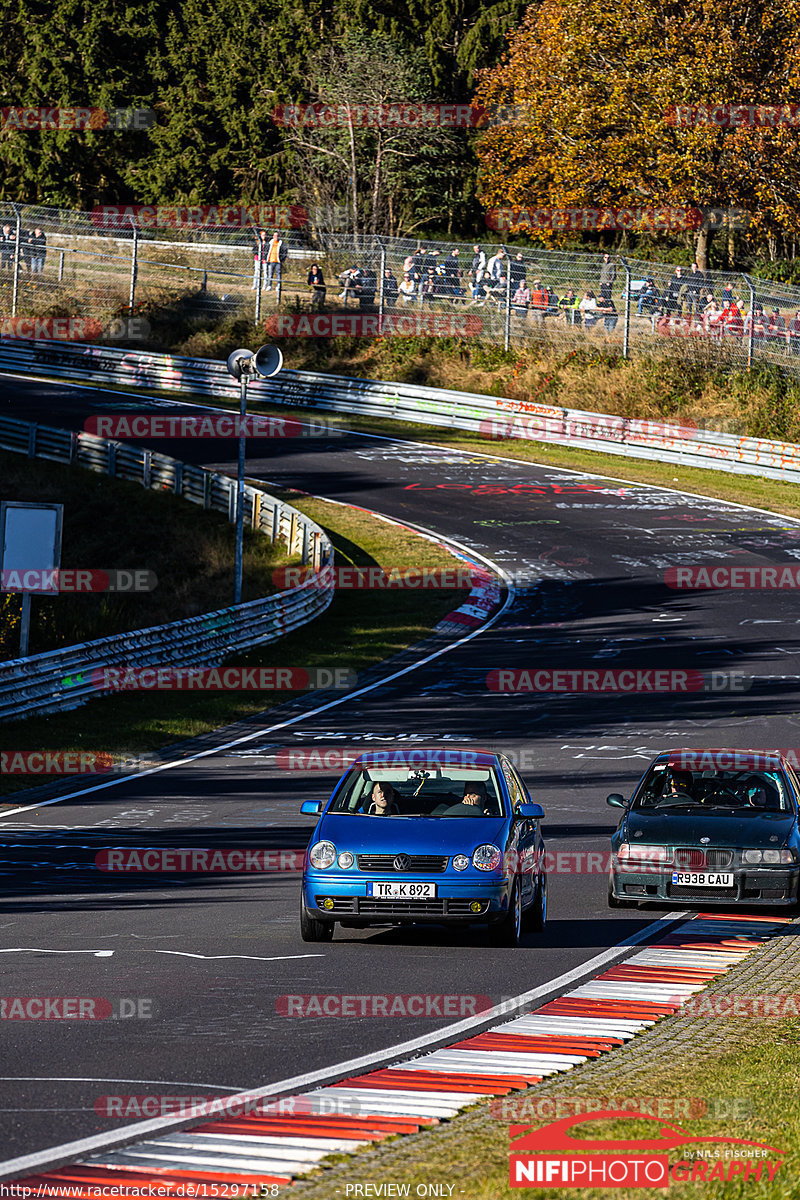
x=475, y=793
x=383, y=800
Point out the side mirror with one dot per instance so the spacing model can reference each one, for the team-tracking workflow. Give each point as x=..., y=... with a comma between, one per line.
x=616, y=801
x=311, y=808
x=534, y=812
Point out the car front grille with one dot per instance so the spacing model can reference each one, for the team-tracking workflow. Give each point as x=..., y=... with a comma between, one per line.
x=368, y=906
x=701, y=893
x=719, y=858
x=431, y=864
x=691, y=859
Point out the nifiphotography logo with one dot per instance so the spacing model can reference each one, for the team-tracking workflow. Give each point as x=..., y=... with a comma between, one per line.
x=549, y=1155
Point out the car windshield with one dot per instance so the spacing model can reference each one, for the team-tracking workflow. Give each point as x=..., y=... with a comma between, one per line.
x=667, y=787
x=432, y=791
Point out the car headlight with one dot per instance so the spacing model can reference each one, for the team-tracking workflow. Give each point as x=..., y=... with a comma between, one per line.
x=322, y=855
x=460, y=862
x=487, y=857
x=345, y=859
x=784, y=857
x=637, y=853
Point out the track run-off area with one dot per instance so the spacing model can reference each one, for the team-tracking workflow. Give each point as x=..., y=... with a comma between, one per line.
x=197, y=971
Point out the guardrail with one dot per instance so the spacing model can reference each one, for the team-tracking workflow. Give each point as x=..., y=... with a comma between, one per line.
x=489, y=416
x=62, y=679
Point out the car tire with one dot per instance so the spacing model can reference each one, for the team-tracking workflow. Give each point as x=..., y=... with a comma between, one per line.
x=313, y=930
x=535, y=918
x=508, y=930
x=613, y=902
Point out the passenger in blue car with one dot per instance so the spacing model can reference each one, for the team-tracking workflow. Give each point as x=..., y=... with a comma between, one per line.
x=383, y=800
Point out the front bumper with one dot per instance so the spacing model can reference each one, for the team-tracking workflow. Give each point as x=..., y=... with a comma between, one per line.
x=773, y=886
x=456, y=902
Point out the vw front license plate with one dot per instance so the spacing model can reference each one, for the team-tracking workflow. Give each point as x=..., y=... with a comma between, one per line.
x=402, y=891
x=702, y=879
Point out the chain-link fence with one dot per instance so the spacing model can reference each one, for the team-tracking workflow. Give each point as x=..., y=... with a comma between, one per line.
x=105, y=270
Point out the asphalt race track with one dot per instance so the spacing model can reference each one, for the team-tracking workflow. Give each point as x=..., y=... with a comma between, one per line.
x=213, y=956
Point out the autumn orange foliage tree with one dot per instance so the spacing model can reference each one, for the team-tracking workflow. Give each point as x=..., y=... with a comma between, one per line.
x=582, y=102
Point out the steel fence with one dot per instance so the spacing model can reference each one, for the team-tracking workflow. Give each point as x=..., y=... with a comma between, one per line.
x=107, y=275
x=64, y=678
x=490, y=417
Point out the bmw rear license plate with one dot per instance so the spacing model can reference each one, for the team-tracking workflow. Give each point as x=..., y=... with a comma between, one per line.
x=402, y=891
x=703, y=879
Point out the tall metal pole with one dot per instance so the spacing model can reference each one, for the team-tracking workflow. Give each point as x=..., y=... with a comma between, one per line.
x=507, y=330
x=238, y=561
x=750, y=335
x=380, y=293
x=15, y=285
x=626, y=342
x=25, y=625
x=134, y=267
x=258, y=285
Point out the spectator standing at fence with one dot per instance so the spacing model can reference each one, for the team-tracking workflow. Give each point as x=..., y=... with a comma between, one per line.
x=7, y=241
x=496, y=267
x=477, y=269
x=608, y=277
x=727, y=294
x=390, y=289
x=316, y=281
x=713, y=319
x=734, y=321
x=366, y=287
x=695, y=287
x=776, y=329
x=606, y=310
x=568, y=304
x=260, y=251
x=38, y=250
x=588, y=310
x=539, y=300
x=452, y=273
x=277, y=252
x=408, y=289
x=520, y=301
x=26, y=249
x=793, y=333
x=648, y=297
x=518, y=271
x=673, y=291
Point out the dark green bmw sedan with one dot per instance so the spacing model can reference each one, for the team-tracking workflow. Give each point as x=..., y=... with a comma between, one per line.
x=709, y=827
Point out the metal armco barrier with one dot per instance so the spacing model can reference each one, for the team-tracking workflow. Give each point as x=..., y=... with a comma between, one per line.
x=489, y=416
x=62, y=679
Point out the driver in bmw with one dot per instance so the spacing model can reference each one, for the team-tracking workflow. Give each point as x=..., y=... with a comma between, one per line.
x=679, y=784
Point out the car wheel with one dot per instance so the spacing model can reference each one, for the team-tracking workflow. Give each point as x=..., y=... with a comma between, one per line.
x=613, y=902
x=536, y=916
x=312, y=930
x=508, y=930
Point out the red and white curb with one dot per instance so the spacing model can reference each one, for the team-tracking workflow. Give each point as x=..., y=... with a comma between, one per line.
x=280, y=1145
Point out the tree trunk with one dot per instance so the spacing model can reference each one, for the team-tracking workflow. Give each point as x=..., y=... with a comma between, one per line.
x=702, y=244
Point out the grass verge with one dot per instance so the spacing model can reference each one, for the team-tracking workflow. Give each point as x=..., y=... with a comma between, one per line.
x=359, y=630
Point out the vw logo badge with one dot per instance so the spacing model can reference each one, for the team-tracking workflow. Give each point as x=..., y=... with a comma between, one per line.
x=401, y=863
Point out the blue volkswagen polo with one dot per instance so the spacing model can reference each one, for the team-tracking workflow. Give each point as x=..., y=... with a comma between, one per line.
x=426, y=835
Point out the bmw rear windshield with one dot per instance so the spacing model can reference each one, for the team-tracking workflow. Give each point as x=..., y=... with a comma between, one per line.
x=432, y=791
x=667, y=787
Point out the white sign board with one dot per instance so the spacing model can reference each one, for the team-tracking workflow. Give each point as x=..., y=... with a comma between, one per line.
x=30, y=541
